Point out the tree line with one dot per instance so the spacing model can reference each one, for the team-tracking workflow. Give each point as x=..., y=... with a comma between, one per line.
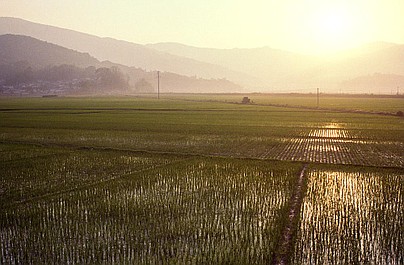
x=91, y=77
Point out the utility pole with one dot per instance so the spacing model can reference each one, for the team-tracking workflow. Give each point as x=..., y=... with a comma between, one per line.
x=318, y=97
x=158, y=84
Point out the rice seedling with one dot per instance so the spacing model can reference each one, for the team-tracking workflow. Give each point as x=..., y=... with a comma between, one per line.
x=34, y=171
x=352, y=217
x=196, y=211
x=123, y=180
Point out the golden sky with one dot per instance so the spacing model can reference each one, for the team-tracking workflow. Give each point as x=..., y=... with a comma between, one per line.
x=306, y=26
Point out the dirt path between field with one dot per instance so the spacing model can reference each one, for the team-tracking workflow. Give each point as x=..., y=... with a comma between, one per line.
x=285, y=247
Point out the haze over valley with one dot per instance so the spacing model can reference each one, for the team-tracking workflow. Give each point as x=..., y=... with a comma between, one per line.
x=372, y=68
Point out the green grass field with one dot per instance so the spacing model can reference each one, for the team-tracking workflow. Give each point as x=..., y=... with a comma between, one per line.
x=196, y=179
x=372, y=103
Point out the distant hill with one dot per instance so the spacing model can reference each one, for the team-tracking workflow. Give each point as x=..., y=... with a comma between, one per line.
x=364, y=49
x=271, y=67
x=15, y=48
x=389, y=60
x=117, y=51
x=260, y=69
x=286, y=70
x=29, y=62
x=379, y=83
x=333, y=73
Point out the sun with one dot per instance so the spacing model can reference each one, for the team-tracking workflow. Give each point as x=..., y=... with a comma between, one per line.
x=334, y=25
x=333, y=28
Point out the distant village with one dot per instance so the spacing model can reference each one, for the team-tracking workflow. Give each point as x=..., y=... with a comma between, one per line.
x=62, y=80
x=43, y=88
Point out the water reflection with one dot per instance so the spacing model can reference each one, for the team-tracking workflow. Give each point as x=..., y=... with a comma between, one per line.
x=338, y=146
x=352, y=218
x=207, y=211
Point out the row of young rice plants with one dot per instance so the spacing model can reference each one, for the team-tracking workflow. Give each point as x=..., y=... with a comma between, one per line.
x=30, y=171
x=352, y=216
x=333, y=144
x=184, y=127
x=12, y=152
x=215, y=144
x=336, y=151
x=254, y=133
x=199, y=211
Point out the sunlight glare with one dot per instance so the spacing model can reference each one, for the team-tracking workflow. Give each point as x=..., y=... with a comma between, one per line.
x=333, y=28
x=335, y=24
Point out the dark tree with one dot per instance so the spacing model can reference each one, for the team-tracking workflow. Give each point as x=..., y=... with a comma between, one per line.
x=111, y=78
x=142, y=86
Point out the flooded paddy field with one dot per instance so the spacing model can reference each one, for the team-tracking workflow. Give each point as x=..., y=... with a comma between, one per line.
x=129, y=180
x=351, y=216
x=196, y=210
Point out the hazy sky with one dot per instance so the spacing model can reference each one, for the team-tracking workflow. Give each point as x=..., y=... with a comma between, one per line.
x=312, y=26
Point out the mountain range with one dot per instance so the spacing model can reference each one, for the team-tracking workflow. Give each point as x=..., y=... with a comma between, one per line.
x=261, y=69
x=29, y=62
x=117, y=51
x=286, y=70
x=17, y=48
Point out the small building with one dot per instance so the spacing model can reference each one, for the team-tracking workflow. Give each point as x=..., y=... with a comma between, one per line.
x=246, y=100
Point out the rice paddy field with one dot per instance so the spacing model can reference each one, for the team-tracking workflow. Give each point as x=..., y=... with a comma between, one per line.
x=196, y=179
